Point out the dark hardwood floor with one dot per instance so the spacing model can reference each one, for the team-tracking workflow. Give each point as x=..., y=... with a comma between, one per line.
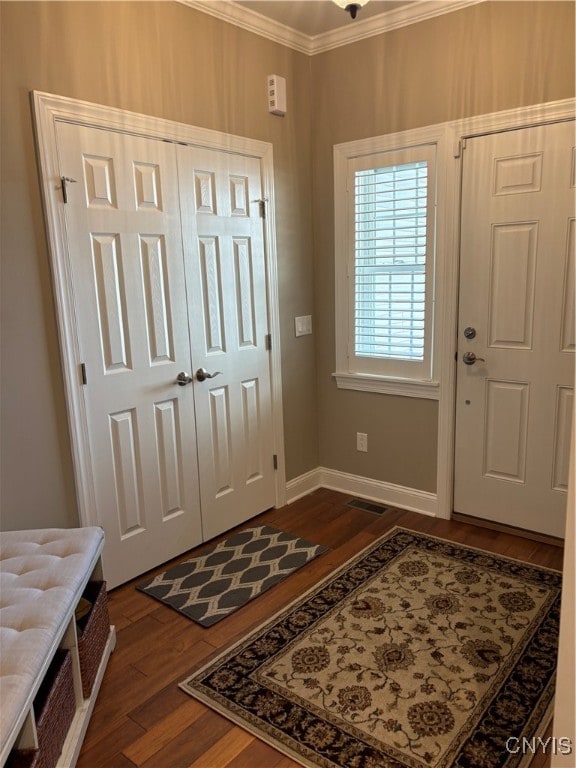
x=143, y=719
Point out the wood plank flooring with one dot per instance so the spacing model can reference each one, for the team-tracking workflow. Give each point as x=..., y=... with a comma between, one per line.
x=143, y=719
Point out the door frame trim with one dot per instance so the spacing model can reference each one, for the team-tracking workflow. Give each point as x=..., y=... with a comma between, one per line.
x=48, y=110
x=456, y=132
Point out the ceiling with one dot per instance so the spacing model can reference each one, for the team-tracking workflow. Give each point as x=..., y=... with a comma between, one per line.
x=315, y=17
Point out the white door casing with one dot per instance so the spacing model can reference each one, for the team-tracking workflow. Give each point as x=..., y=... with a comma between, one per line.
x=513, y=411
x=226, y=281
x=50, y=112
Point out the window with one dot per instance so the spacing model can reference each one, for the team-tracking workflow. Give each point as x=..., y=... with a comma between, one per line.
x=385, y=263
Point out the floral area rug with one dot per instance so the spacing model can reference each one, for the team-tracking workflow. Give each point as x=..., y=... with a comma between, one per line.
x=418, y=653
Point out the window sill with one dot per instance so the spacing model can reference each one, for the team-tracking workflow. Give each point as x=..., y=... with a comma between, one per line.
x=428, y=390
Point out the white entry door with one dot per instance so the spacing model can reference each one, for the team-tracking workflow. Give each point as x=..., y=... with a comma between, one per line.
x=223, y=241
x=515, y=385
x=174, y=459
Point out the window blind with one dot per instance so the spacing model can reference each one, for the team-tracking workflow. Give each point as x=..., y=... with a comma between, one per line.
x=390, y=215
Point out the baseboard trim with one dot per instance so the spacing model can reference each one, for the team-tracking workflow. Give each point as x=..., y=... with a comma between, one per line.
x=303, y=485
x=365, y=487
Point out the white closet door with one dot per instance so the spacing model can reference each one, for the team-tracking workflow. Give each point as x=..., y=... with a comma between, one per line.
x=226, y=282
x=127, y=272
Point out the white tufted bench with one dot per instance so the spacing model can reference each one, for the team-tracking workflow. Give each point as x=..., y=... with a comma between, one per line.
x=42, y=576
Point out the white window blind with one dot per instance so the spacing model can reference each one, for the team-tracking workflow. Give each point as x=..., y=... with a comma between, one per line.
x=390, y=216
x=391, y=240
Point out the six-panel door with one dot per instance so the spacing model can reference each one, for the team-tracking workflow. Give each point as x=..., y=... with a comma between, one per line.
x=514, y=404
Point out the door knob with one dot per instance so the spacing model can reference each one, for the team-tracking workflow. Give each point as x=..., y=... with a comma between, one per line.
x=469, y=358
x=182, y=379
x=202, y=374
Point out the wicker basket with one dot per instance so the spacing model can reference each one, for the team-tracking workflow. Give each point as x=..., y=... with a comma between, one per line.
x=93, y=633
x=54, y=707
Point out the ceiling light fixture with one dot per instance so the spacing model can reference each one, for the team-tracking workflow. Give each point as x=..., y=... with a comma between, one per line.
x=352, y=8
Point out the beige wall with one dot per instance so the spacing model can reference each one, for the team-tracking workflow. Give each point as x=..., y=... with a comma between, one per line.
x=485, y=58
x=161, y=59
x=167, y=60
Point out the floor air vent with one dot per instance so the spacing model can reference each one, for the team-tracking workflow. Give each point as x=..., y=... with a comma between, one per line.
x=368, y=506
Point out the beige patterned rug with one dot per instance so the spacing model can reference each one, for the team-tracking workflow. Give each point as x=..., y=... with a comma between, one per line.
x=418, y=653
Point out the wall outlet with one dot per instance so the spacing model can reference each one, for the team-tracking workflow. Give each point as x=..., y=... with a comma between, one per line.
x=362, y=442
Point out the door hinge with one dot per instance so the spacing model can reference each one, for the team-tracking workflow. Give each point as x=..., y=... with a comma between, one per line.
x=268, y=341
x=65, y=181
x=275, y=461
x=83, y=373
x=459, y=147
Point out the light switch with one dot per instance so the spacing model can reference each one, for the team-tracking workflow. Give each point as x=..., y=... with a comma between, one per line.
x=303, y=325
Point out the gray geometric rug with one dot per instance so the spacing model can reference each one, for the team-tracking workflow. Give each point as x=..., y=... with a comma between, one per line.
x=226, y=576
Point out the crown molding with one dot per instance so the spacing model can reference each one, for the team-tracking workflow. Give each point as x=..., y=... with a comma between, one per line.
x=252, y=21
x=255, y=22
x=419, y=10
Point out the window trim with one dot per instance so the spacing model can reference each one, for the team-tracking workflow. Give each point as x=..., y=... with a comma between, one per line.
x=388, y=385
x=417, y=386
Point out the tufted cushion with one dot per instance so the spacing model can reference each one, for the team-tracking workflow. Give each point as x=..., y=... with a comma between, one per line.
x=42, y=575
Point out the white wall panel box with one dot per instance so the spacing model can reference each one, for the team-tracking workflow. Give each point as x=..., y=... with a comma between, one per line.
x=276, y=94
x=303, y=325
